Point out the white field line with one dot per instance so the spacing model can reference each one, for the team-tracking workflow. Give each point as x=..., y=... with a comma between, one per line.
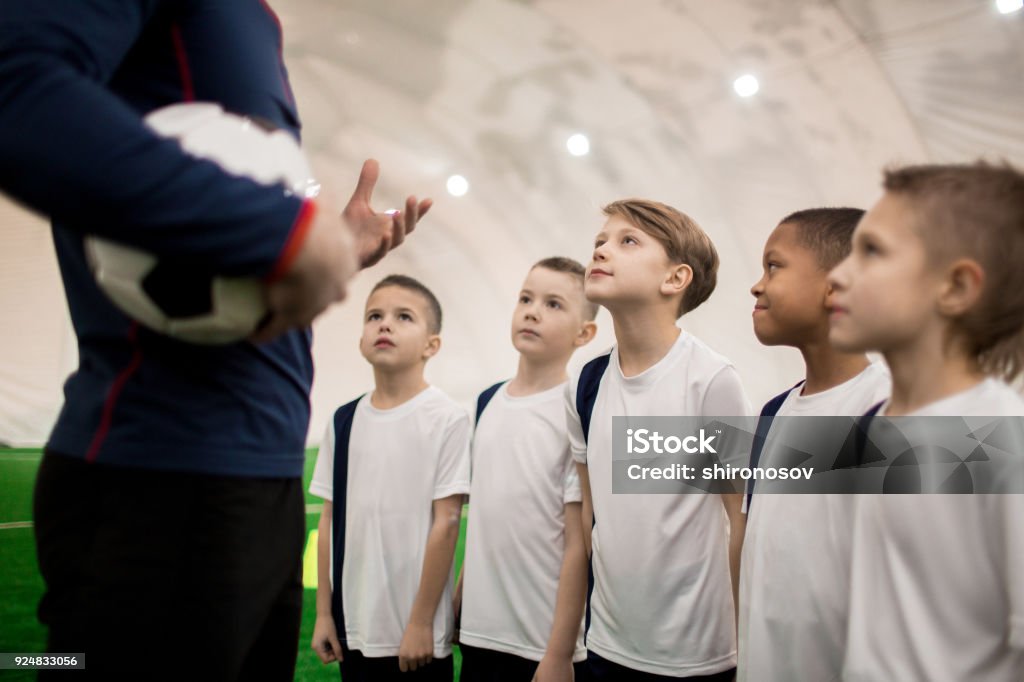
x=15, y=524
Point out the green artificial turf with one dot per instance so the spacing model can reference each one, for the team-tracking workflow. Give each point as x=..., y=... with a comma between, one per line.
x=20, y=582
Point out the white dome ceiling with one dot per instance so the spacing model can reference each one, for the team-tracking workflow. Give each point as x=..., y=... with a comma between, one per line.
x=492, y=90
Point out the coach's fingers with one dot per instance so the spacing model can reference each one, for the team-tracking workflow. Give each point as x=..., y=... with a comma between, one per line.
x=414, y=212
x=422, y=209
x=368, y=176
x=398, y=230
x=406, y=221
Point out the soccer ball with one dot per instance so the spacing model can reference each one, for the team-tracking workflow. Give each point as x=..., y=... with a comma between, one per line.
x=171, y=298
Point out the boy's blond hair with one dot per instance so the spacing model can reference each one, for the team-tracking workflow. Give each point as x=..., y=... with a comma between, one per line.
x=683, y=240
x=976, y=211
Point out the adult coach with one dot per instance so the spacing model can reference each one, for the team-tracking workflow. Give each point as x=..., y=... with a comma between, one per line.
x=169, y=512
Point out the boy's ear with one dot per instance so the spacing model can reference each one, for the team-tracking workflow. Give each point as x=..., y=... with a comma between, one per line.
x=961, y=288
x=677, y=279
x=829, y=292
x=586, y=334
x=432, y=347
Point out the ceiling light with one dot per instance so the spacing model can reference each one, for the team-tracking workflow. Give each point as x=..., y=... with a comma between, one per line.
x=578, y=144
x=746, y=85
x=457, y=185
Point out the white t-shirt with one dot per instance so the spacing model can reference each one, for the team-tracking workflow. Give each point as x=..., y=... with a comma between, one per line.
x=938, y=580
x=662, y=599
x=795, y=571
x=399, y=461
x=523, y=476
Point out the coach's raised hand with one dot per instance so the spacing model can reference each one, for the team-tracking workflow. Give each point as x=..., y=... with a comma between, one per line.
x=317, y=277
x=333, y=251
x=377, y=233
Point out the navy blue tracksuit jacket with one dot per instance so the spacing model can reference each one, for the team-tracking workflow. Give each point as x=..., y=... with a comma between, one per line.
x=76, y=78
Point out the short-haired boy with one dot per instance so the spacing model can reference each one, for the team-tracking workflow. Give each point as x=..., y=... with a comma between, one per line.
x=393, y=469
x=795, y=571
x=664, y=566
x=524, y=582
x=934, y=284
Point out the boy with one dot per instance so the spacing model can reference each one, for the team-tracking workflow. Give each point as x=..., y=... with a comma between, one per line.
x=794, y=577
x=393, y=470
x=525, y=567
x=662, y=605
x=934, y=284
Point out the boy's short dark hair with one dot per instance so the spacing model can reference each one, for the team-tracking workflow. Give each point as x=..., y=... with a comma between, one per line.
x=975, y=211
x=683, y=240
x=827, y=232
x=576, y=269
x=411, y=284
